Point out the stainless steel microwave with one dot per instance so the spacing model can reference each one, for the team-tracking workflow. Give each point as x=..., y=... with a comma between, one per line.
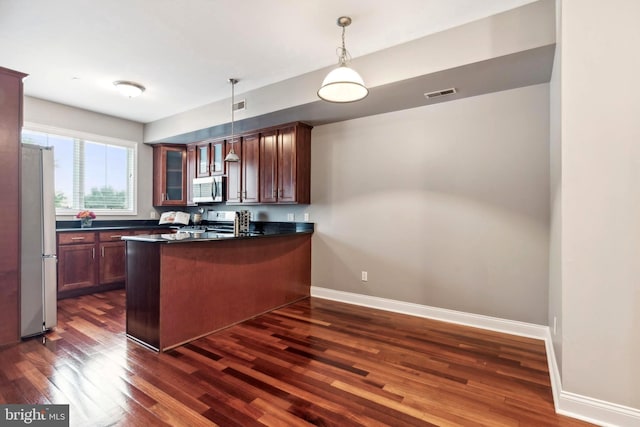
x=209, y=189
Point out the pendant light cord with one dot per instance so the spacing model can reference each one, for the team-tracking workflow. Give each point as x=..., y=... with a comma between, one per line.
x=343, y=53
x=233, y=85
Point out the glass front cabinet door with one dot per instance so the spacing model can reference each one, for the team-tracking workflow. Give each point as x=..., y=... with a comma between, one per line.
x=169, y=172
x=210, y=160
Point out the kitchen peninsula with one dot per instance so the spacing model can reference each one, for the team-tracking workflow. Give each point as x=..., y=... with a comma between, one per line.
x=183, y=286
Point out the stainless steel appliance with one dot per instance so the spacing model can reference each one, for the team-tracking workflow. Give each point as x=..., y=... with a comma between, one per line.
x=216, y=221
x=38, y=286
x=209, y=189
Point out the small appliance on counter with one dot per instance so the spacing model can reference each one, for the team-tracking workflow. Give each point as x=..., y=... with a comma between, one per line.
x=241, y=222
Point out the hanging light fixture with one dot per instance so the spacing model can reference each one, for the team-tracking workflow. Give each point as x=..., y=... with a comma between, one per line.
x=129, y=89
x=343, y=84
x=232, y=156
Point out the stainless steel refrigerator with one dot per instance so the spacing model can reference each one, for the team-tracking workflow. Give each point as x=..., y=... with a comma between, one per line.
x=38, y=283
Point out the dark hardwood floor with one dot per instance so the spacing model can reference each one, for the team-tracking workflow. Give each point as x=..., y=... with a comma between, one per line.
x=315, y=362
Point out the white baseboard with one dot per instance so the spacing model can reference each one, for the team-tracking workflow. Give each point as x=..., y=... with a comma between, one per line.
x=566, y=403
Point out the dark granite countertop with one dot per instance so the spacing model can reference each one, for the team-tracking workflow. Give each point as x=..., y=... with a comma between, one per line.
x=213, y=236
x=258, y=229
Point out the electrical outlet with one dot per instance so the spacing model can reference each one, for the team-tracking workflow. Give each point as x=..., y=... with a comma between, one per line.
x=365, y=276
x=153, y=214
x=306, y=217
x=290, y=217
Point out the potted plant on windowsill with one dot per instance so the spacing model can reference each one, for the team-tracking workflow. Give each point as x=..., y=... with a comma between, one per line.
x=86, y=218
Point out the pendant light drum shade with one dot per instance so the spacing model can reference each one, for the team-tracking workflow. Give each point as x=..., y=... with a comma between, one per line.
x=343, y=84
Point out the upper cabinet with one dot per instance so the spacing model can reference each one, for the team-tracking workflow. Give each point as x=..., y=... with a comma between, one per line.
x=243, y=177
x=169, y=175
x=285, y=164
x=210, y=158
x=274, y=167
x=191, y=172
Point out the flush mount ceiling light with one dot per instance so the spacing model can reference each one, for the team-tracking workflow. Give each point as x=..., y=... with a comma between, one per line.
x=129, y=89
x=343, y=84
x=232, y=156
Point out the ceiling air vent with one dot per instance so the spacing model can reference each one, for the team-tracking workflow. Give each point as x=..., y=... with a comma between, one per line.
x=438, y=93
x=240, y=105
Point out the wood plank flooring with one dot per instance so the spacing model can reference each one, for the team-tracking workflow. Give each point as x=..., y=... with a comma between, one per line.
x=315, y=362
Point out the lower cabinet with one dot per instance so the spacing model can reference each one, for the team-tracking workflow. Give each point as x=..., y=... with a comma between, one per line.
x=92, y=261
x=76, y=266
x=76, y=261
x=112, y=256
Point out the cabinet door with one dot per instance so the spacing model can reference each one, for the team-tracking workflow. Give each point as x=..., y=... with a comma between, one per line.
x=250, y=160
x=112, y=264
x=191, y=172
x=234, y=181
x=268, y=167
x=216, y=165
x=76, y=266
x=203, y=155
x=287, y=178
x=210, y=158
x=170, y=167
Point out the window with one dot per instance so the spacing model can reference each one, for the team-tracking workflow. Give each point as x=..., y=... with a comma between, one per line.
x=91, y=172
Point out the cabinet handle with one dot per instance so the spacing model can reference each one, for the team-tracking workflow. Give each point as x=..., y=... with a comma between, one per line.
x=102, y=252
x=93, y=253
x=117, y=236
x=162, y=197
x=77, y=238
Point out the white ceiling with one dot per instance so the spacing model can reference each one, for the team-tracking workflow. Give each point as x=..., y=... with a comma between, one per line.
x=184, y=51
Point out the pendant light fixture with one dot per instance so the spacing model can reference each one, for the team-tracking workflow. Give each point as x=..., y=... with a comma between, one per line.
x=343, y=84
x=232, y=156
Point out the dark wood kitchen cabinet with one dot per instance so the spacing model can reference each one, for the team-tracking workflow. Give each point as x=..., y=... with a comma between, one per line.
x=77, y=264
x=243, y=176
x=191, y=172
x=93, y=261
x=10, y=126
x=210, y=158
x=112, y=255
x=285, y=164
x=169, y=175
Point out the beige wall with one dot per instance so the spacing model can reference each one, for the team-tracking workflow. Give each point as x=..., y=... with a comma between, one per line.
x=516, y=30
x=51, y=114
x=601, y=199
x=444, y=205
x=555, y=233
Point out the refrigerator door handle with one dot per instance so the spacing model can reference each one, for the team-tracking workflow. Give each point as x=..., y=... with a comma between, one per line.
x=50, y=256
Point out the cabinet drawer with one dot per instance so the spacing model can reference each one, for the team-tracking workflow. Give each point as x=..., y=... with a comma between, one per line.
x=115, y=235
x=73, y=238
